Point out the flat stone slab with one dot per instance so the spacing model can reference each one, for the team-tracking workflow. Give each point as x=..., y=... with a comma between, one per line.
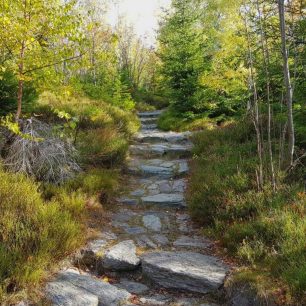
x=152, y=150
x=158, y=167
x=62, y=293
x=121, y=257
x=157, y=136
x=165, y=199
x=184, y=271
x=107, y=294
x=150, y=114
x=192, y=242
x=133, y=287
x=148, y=121
x=157, y=300
x=152, y=223
x=161, y=240
x=148, y=126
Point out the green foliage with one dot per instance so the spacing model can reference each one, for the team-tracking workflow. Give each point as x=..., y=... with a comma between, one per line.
x=33, y=233
x=8, y=97
x=181, y=54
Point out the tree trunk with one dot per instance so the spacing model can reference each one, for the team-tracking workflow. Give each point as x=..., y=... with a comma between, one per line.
x=266, y=63
x=289, y=93
x=20, y=81
x=255, y=110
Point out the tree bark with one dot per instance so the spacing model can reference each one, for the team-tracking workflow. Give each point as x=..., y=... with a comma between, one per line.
x=289, y=92
x=20, y=81
x=266, y=63
x=255, y=110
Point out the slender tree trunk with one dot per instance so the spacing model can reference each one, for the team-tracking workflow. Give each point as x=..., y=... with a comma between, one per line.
x=20, y=81
x=255, y=110
x=266, y=63
x=289, y=93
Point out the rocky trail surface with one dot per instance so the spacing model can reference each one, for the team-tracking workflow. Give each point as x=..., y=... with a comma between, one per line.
x=150, y=254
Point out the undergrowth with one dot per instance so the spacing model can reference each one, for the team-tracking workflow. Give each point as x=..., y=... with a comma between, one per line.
x=264, y=230
x=42, y=223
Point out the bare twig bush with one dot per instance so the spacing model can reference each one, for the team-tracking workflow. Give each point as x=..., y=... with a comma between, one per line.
x=41, y=154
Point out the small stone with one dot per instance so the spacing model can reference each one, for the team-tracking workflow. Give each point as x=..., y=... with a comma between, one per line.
x=193, y=242
x=109, y=236
x=173, y=199
x=160, y=240
x=121, y=257
x=138, y=193
x=152, y=222
x=133, y=287
x=128, y=201
x=123, y=216
x=157, y=300
x=144, y=241
x=93, y=251
x=135, y=230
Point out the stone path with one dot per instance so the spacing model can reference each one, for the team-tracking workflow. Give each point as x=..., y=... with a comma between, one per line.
x=151, y=254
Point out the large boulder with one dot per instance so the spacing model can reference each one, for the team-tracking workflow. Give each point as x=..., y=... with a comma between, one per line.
x=184, y=270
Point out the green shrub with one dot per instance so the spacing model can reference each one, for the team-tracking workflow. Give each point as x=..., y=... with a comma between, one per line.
x=33, y=233
x=100, y=147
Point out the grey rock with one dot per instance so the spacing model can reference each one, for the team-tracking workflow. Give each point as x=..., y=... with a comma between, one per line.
x=157, y=136
x=136, y=230
x=160, y=240
x=148, y=121
x=165, y=199
x=121, y=257
x=93, y=251
x=133, y=287
x=192, y=242
x=157, y=300
x=150, y=126
x=108, y=295
x=120, y=224
x=109, y=236
x=161, y=149
x=158, y=167
x=128, y=201
x=123, y=216
x=152, y=223
x=155, y=113
x=184, y=270
x=62, y=293
x=144, y=241
x=138, y=193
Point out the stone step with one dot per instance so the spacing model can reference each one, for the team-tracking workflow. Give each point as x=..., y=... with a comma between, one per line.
x=148, y=121
x=149, y=127
x=150, y=114
x=184, y=271
x=158, y=168
x=165, y=199
x=72, y=288
x=158, y=150
x=157, y=136
x=153, y=186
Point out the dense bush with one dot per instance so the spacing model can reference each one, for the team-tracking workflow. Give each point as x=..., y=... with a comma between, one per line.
x=33, y=233
x=264, y=229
